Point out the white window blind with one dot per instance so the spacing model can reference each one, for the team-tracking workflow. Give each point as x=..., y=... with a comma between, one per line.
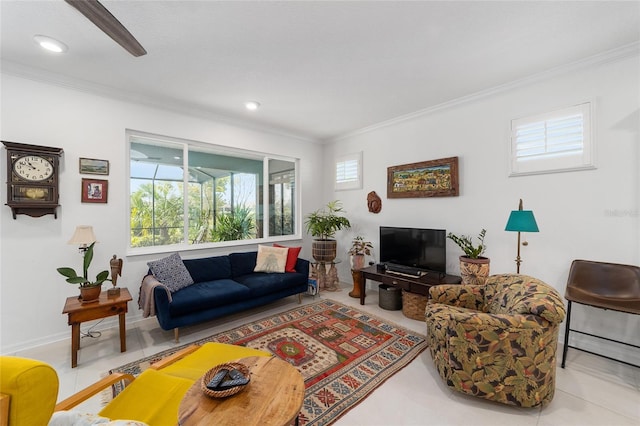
x=349, y=172
x=552, y=142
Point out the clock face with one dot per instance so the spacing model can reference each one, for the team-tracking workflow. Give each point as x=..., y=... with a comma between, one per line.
x=33, y=168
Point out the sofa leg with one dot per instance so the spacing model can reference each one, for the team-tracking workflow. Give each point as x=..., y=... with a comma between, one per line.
x=176, y=334
x=299, y=298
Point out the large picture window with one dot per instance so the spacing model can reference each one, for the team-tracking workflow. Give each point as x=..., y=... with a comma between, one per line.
x=188, y=193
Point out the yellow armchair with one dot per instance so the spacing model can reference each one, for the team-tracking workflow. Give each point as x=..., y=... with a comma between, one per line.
x=31, y=387
x=29, y=391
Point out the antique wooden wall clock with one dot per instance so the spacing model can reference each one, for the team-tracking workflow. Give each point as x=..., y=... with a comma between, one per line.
x=32, y=179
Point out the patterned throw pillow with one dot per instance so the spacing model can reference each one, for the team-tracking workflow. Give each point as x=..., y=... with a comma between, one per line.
x=271, y=259
x=171, y=272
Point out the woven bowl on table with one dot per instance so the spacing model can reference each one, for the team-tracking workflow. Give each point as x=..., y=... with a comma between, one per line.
x=227, y=392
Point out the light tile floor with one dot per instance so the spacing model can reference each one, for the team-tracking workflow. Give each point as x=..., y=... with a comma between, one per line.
x=590, y=391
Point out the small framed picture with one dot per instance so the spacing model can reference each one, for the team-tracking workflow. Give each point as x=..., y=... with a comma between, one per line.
x=95, y=190
x=91, y=166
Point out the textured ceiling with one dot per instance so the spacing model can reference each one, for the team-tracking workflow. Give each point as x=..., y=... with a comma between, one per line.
x=319, y=69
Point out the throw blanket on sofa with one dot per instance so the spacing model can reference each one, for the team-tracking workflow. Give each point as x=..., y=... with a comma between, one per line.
x=145, y=300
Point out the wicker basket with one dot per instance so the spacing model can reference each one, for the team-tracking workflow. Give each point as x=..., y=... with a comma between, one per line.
x=227, y=392
x=413, y=305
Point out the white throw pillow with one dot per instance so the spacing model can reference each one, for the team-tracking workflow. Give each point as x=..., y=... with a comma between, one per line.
x=271, y=259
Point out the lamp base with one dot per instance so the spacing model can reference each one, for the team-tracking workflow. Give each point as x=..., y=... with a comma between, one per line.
x=113, y=292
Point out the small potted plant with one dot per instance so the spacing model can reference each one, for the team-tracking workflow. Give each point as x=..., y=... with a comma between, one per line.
x=323, y=225
x=89, y=290
x=474, y=268
x=359, y=249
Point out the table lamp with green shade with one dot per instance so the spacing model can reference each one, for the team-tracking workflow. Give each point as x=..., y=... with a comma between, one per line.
x=521, y=221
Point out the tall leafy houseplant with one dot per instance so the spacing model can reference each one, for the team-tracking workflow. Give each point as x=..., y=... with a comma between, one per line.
x=323, y=225
x=474, y=268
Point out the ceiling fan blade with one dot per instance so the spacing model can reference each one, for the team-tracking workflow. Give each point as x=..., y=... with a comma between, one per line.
x=94, y=11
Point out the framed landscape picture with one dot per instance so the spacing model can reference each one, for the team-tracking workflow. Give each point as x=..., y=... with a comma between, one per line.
x=91, y=166
x=95, y=190
x=435, y=178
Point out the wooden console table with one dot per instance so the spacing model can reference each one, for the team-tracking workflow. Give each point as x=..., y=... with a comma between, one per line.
x=419, y=285
x=104, y=307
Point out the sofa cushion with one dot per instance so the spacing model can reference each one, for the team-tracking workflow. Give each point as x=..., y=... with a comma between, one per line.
x=242, y=263
x=208, y=268
x=292, y=257
x=271, y=259
x=206, y=295
x=171, y=272
x=152, y=407
x=261, y=283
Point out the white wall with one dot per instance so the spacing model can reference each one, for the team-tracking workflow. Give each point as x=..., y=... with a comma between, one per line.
x=32, y=293
x=581, y=215
x=589, y=214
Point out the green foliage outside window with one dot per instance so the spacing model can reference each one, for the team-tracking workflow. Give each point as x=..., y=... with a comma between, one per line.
x=237, y=225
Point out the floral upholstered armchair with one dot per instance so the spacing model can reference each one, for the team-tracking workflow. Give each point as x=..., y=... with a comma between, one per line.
x=498, y=340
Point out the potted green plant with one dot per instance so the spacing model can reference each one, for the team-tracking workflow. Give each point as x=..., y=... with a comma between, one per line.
x=474, y=268
x=323, y=225
x=359, y=249
x=89, y=290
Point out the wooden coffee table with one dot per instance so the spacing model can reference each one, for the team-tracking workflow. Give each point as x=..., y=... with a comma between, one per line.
x=274, y=396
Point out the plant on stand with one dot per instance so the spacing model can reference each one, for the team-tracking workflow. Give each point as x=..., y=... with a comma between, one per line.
x=323, y=225
x=359, y=249
x=474, y=268
x=89, y=290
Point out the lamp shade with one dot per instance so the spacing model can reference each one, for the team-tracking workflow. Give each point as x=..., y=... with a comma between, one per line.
x=522, y=221
x=83, y=236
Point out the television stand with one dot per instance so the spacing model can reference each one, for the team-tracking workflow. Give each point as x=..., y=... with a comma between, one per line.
x=412, y=284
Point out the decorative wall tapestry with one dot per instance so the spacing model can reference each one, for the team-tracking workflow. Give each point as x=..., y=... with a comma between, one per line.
x=435, y=178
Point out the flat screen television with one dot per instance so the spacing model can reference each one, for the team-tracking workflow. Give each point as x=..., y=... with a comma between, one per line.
x=422, y=249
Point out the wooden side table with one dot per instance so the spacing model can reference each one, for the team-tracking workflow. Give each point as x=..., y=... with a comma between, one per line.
x=273, y=397
x=104, y=307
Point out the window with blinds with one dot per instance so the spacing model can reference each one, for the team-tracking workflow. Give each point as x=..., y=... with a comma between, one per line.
x=349, y=172
x=552, y=142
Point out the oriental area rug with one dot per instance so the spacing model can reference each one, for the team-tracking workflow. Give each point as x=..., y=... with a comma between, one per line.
x=342, y=353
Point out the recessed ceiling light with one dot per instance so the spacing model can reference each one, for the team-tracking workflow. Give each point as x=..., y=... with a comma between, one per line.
x=252, y=105
x=50, y=44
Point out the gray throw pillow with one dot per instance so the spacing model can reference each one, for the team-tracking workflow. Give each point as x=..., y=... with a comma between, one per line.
x=171, y=272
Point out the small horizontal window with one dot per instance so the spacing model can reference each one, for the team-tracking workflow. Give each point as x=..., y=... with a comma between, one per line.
x=552, y=142
x=349, y=172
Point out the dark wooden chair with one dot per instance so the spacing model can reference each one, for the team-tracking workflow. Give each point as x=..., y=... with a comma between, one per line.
x=605, y=286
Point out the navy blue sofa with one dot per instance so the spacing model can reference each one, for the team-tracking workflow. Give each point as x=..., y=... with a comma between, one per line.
x=224, y=285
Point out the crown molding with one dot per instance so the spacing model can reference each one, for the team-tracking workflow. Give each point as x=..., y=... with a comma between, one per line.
x=614, y=55
x=60, y=80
